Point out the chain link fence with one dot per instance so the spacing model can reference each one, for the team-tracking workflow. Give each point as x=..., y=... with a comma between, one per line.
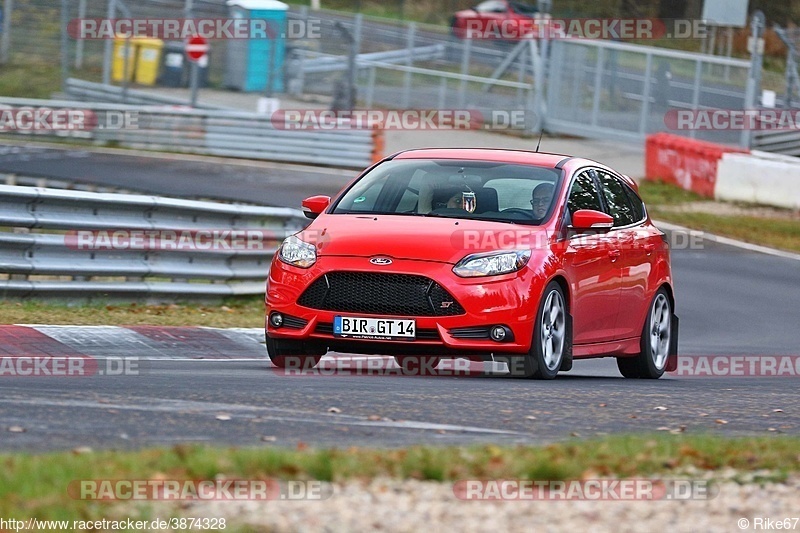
x=590, y=88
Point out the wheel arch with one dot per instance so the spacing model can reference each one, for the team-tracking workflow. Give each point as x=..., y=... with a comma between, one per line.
x=562, y=282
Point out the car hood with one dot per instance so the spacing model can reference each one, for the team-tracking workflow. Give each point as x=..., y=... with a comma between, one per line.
x=446, y=240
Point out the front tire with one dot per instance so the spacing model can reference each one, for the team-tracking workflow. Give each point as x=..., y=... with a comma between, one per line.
x=291, y=354
x=552, y=339
x=651, y=362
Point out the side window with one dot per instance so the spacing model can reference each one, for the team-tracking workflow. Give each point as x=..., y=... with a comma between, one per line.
x=583, y=194
x=636, y=204
x=491, y=6
x=617, y=201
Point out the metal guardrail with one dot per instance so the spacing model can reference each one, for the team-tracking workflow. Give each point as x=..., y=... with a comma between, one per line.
x=314, y=62
x=40, y=251
x=224, y=133
x=786, y=142
x=88, y=91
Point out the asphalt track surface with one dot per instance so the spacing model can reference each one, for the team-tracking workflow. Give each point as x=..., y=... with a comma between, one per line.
x=731, y=301
x=174, y=175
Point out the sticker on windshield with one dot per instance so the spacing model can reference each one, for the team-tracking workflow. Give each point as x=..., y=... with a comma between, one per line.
x=359, y=199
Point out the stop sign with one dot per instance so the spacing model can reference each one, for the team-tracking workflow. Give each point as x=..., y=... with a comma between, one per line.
x=196, y=48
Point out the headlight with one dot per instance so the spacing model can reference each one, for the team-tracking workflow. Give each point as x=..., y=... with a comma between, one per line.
x=298, y=253
x=491, y=263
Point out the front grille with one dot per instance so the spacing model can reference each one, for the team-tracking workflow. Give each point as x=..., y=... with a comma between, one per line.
x=326, y=328
x=380, y=294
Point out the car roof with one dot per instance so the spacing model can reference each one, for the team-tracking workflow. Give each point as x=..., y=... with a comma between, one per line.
x=501, y=155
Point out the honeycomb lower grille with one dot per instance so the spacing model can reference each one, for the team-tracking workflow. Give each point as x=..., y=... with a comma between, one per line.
x=380, y=294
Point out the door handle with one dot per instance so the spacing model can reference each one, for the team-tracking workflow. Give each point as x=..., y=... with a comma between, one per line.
x=614, y=255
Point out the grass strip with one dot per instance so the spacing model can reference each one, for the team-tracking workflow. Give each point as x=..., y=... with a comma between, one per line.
x=36, y=485
x=239, y=312
x=662, y=198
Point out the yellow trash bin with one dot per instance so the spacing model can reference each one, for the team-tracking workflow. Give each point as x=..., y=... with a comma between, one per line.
x=148, y=60
x=118, y=63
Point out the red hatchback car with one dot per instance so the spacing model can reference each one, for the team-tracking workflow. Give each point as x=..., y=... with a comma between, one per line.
x=495, y=19
x=527, y=258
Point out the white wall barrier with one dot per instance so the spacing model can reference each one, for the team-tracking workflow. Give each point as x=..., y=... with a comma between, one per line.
x=759, y=177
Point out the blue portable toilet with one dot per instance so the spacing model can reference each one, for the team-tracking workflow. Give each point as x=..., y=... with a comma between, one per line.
x=248, y=65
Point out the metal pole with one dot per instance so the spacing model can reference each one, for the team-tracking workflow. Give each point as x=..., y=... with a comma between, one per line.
x=754, y=79
x=370, y=87
x=412, y=28
x=462, y=88
x=64, y=44
x=271, y=68
x=5, y=42
x=193, y=82
x=125, y=66
x=598, y=84
x=698, y=79
x=645, y=118
x=112, y=10
x=79, y=43
x=728, y=52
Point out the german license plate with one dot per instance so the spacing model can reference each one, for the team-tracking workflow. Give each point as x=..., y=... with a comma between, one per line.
x=374, y=328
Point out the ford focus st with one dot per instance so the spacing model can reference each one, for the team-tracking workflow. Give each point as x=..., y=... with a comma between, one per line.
x=525, y=258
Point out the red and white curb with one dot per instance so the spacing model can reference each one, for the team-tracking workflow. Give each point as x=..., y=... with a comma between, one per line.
x=149, y=342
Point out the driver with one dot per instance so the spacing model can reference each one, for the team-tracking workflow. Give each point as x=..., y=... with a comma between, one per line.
x=541, y=198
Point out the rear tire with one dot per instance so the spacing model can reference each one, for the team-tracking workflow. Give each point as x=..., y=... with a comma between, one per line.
x=651, y=362
x=292, y=354
x=551, y=347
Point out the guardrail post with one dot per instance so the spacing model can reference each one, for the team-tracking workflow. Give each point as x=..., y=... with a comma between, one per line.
x=377, y=144
x=442, y=92
x=370, y=87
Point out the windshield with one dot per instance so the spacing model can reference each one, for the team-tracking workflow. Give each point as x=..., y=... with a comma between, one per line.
x=503, y=192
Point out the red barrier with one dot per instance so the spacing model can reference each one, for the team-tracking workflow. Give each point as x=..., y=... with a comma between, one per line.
x=684, y=162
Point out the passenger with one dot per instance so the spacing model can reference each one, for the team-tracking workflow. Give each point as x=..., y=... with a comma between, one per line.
x=431, y=198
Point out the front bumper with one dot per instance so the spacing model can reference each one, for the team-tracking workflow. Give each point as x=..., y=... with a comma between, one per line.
x=509, y=300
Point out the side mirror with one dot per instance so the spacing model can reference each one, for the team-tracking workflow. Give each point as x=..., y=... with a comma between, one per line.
x=315, y=205
x=588, y=219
